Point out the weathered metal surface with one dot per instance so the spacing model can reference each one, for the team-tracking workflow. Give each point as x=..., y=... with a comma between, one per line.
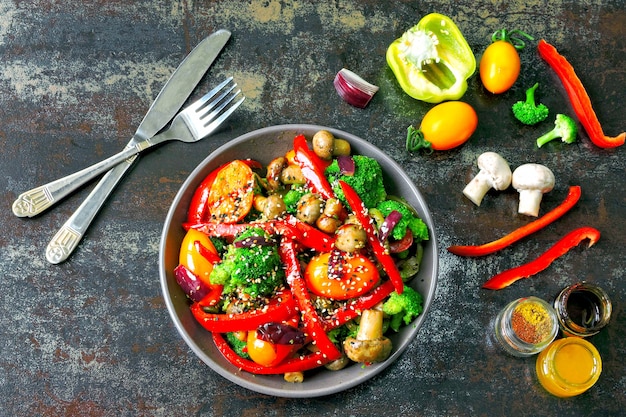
x=92, y=336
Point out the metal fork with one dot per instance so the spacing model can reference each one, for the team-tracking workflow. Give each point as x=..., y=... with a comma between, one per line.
x=192, y=124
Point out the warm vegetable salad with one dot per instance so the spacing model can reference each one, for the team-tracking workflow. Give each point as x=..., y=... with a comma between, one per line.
x=302, y=263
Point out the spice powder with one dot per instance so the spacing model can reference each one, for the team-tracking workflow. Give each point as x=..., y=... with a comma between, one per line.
x=531, y=322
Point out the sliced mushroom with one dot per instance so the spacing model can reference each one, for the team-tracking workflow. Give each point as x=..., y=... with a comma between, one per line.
x=532, y=181
x=494, y=173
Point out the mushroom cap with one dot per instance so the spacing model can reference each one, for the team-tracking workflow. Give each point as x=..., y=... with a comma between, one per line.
x=366, y=351
x=533, y=177
x=496, y=169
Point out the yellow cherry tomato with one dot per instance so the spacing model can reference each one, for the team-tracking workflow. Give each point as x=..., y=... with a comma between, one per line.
x=357, y=277
x=500, y=64
x=445, y=126
x=266, y=353
x=190, y=257
x=499, y=67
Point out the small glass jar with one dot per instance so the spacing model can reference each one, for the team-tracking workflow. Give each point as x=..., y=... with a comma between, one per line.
x=526, y=326
x=582, y=309
x=569, y=367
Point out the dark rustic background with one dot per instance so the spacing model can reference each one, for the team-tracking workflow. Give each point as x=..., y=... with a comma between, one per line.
x=92, y=336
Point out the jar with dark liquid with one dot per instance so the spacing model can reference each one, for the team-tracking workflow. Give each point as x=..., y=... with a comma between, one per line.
x=582, y=309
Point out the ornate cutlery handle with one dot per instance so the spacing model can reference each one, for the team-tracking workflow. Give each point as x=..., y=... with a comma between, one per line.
x=69, y=235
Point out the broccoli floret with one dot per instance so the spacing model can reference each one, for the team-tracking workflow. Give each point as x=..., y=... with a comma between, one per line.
x=409, y=220
x=255, y=270
x=527, y=111
x=564, y=128
x=341, y=333
x=239, y=346
x=367, y=180
x=403, y=307
x=292, y=197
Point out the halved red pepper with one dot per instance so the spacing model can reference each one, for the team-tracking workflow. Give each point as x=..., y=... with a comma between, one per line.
x=383, y=256
x=297, y=364
x=572, y=239
x=312, y=167
x=280, y=308
x=311, y=319
x=578, y=97
x=572, y=198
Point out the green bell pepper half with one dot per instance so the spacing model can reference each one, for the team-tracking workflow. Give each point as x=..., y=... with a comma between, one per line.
x=432, y=61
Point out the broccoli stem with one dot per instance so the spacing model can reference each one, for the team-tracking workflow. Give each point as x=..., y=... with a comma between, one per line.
x=553, y=134
x=530, y=94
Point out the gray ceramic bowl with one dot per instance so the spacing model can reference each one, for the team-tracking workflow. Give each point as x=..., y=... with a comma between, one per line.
x=264, y=145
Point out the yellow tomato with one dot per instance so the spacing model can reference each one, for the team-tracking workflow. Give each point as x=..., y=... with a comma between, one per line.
x=358, y=276
x=266, y=353
x=192, y=259
x=448, y=125
x=499, y=66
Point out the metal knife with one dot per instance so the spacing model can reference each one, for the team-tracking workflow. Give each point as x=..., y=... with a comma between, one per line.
x=169, y=101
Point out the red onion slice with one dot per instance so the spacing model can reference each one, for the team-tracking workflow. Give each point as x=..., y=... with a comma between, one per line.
x=353, y=89
x=281, y=334
x=390, y=222
x=195, y=289
x=346, y=165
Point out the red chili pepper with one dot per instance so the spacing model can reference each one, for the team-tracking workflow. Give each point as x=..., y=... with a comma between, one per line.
x=280, y=308
x=572, y=239
x=312, y=168
x=572, y=198
x=354, y=308
x=311, y=319
x=383, y=256
x=297, y=364
x=578, y=97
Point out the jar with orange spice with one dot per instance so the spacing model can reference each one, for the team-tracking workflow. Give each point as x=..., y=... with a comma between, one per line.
x=526, y=326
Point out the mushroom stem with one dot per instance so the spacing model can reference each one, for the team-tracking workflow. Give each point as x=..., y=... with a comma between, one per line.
x=371, y=325
x=476, y=189
x=494, y=173
x=529, y=202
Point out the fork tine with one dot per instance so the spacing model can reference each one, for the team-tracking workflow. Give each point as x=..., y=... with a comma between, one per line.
x=206, y=111
x=201, y=102
x=210, y=127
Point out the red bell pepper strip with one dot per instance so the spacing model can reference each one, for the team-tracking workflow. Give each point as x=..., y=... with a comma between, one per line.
x=198, y=206
x=213, y=297
x=309, y=236
x=354, y=308
x=311, y=319
x=578, y=97
x=297, y=364
x=207, y=254
x=290, y=227
x=280, y=308
x=572, y=198
x=312, y=168
x=383, y=256
x=560, y=248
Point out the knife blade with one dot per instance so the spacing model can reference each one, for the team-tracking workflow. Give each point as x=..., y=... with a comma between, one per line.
x=173, y=95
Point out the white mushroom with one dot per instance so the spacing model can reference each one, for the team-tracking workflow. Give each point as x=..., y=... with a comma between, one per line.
x=494, y=173
x=532, y=181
